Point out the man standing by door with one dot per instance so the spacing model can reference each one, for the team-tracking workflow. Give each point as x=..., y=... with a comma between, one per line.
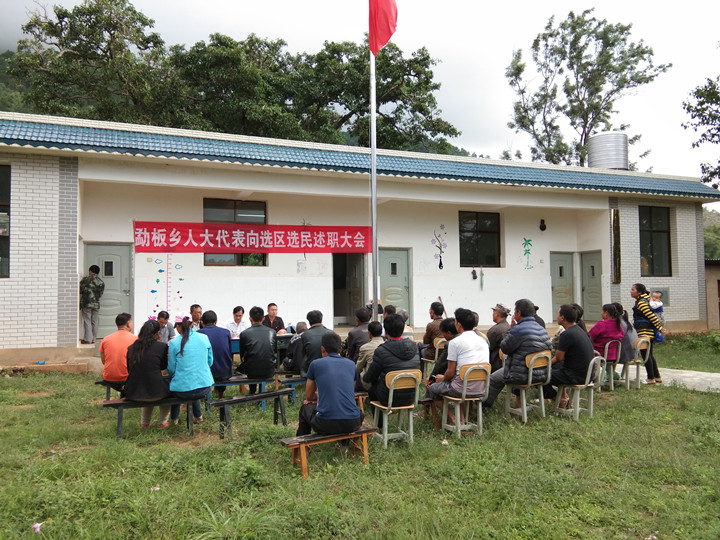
x=91, y=289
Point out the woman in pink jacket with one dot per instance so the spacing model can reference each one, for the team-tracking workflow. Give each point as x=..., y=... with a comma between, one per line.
x=605, y=330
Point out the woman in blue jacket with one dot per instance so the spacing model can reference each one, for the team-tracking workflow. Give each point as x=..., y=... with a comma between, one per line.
x=189, y=361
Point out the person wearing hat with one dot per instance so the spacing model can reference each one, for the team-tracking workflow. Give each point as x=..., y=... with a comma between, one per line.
x=497, y=332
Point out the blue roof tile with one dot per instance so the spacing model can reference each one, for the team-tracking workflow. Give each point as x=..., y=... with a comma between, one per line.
x=43, y=133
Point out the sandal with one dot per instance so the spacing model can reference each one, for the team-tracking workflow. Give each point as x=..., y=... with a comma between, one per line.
x=658, y=381
x=564, y=402
x=144, y=425
x=650, y=381
x=163, y=426
x=198, y=420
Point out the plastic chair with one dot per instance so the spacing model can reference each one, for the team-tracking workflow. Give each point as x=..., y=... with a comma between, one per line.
x=593, y=380
x=398, y=380
x=533, y=360
x=468, y=373
x=610, y=364
x=641, y=344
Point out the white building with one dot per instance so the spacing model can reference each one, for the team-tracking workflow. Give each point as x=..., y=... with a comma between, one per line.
x=552, y=234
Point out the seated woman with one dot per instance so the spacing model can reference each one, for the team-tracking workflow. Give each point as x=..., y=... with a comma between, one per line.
x=146, y=359
x=189, y=361
x=607, y=329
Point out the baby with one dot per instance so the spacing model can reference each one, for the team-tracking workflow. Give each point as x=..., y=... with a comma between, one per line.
x=656, y=305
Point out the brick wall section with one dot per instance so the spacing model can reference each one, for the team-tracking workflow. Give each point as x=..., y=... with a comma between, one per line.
x=686, y=285
x=67, y=305
x=702, y=290
x=30, y=294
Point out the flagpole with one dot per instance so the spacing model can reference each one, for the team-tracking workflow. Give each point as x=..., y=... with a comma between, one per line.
x=373, y=188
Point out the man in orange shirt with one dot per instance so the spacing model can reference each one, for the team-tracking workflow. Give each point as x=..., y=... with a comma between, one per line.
x=113, y=351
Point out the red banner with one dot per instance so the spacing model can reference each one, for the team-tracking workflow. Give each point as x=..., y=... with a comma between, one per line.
x=162, y=237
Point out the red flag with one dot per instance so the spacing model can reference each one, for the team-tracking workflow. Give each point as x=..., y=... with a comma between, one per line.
x=383, y=21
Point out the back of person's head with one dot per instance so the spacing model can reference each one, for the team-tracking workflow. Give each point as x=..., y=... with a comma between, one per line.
x=403, y=314
x=569, y=312
x=580, y=311
x=122, y=319
x=237, y=309
x=375, y=329
x=185, y=328
x=163, y=315
x=394, y=325
x=256, y=314
x=448, y=325
x=611, y=310
x=146, y=337
x=623, y=314
x=314, y=317
x=331, y=342
x=525, y=307
x=639, y=287
x=301, y=327
x=389, y=310
x=465, y=318
x=95, y=269
x=437, y=308
x=363, y=314
x=209, y=318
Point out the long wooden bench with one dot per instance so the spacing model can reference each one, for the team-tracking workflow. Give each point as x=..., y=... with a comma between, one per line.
x=121, y=404
x=299, y=445
x=291, y=380
x=107, y=385
x=241, y=380
x=225, y=404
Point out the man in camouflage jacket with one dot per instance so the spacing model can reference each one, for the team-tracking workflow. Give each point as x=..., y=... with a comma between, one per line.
x=91, y=289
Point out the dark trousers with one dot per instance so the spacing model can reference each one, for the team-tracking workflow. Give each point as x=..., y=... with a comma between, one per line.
x=558, y=377
x=309, y=421
x=192, y=394
x=650, y=364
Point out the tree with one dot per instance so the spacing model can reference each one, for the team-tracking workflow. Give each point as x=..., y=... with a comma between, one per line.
x=584, y=65
x=704, y=111
x=97, y=61
x=10, y=92
x=711, y=226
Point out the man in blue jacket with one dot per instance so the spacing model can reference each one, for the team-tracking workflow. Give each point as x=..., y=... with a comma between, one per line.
x=525, y=337
x=222, y=355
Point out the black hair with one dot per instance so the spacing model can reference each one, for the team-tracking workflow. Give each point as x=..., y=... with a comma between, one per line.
x=525, y=307
x=146, y=337
x=314, y=317
x=331, y=342
x=209, y=317
x=465, y=318
x=375, y=329
x=448, y=325
x=569, y=312
x=437, y=308
x=163, y=315
x=271, y=304
x=195, y=306
x=363, y=314
x=95, y=269
x=389, y=310
x=256, y=314
x=301, y=327
x=639, y=287
x=623, y=314
x=614, y=314
x=404, y=314
x=238, y=308
x=394, y=325
x=122, y=319
x=580, y=312
x=185, y=327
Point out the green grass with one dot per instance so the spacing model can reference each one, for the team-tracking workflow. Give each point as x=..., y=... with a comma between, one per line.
x=696, y=352
x=645, y=465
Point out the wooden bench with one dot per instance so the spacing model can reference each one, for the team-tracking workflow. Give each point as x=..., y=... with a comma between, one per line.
x=239, y=380
x=300, y=444
x=121, y=404
x=225, y=404
x=290, y=379
x=107, y=385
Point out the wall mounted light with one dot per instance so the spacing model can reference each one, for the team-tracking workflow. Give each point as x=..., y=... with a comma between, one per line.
x=542, y=225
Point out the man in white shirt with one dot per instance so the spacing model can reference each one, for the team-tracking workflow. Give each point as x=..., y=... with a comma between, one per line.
x=236, y=325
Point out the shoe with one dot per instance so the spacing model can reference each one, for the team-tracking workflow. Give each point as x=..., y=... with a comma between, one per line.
x=176, y=422
x=85, y=342
x=163, y=426
x=144, y=425
x=658, y=381
x=198, y=420
x=563, y=403
x=649, y=381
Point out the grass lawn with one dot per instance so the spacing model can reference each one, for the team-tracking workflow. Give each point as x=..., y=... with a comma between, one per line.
x=645, y=465
x=696, y=352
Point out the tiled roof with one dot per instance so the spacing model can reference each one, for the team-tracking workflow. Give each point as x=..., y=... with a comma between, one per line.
x=105, y=137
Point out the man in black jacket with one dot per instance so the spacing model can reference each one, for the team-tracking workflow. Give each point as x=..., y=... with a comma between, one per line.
x=257, y=348
x=394, y=355
x=358, y=336
x=312, y=339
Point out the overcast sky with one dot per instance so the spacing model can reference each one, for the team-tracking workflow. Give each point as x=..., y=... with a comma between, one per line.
x=474, y=42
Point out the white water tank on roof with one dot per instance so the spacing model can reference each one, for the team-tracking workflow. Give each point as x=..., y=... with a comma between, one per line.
x=608, y=150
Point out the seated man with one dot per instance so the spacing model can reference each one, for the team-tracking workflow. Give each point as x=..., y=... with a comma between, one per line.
x=409, y=331
x=295, y=357
x=113, y=351
x=367, y=351
x=525, y=337
x=432, y=330
x=393, y=355
x=466, y=348
x=167, y=331
x=574, y=353
x=358, y=336
x=273, y=321
x=236, y=325
x=330, y=405
x=497, y=333
x=449, y=331
x=222, y=365
x=312, y=339
x=257, y=349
